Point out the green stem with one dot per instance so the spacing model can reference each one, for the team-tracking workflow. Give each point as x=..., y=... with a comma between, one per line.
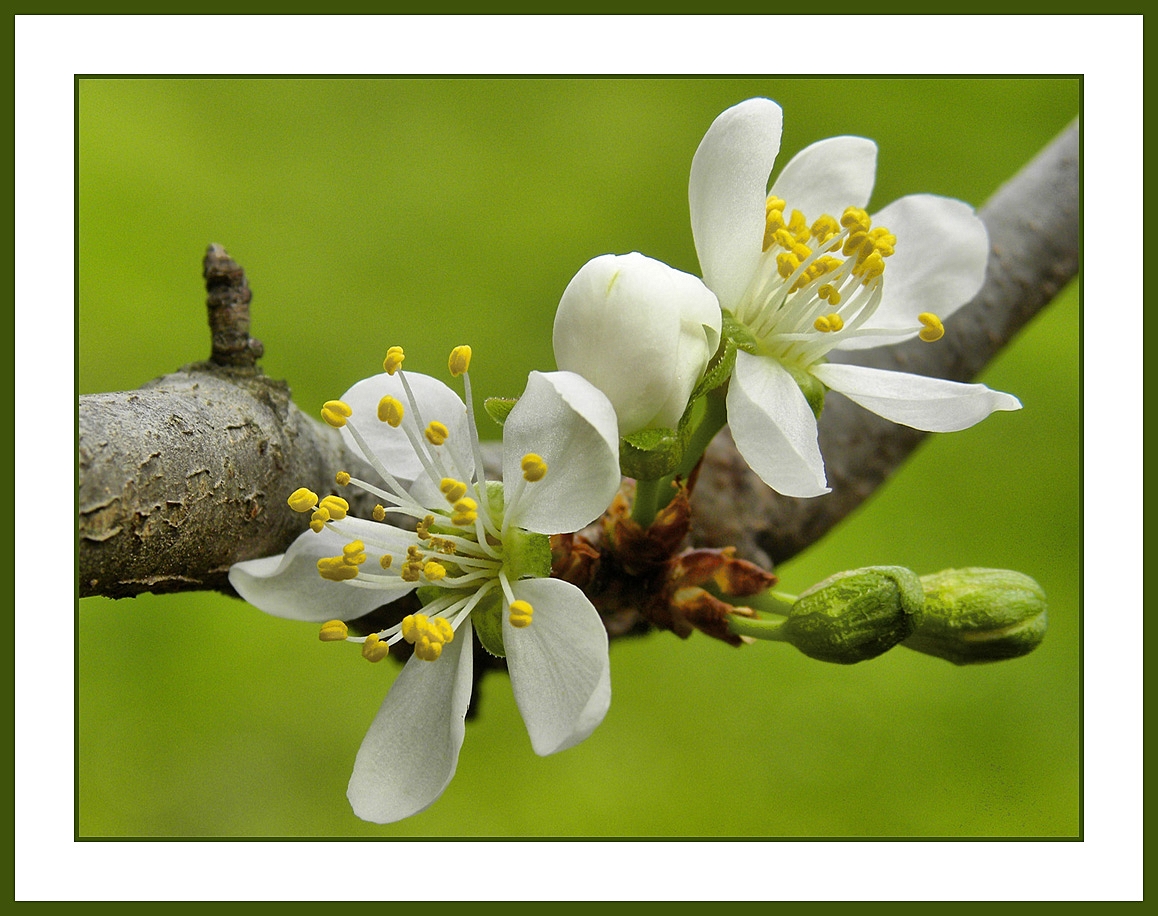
x=713, y=420
x=767, y=628
x=646, y=502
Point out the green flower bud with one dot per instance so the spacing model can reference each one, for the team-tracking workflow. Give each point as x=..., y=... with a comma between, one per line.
x=855, y=615
x=980, y=615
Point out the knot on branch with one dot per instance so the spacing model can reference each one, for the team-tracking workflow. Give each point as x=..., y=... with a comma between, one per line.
x=228, y=303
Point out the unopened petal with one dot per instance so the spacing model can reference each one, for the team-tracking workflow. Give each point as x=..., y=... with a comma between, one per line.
x=939, y=265
x=774, y=428
x=930, y=404
x=560, y=673
x=727, y=191
x=571, y=425
x=410, y=752
x=288, y=585
x=828, y=176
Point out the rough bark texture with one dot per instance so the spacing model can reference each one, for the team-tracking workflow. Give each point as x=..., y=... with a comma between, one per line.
x=189, y=474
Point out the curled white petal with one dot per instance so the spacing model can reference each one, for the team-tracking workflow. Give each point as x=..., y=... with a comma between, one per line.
x=288, y=585
x=828, y=176
x=939, y=264
x=774, y=428
x=641, y=332
x=930, y=404
x=571, y=425
x=391, y=445
x=560, y=672
x=727, y=191
x=410, y=752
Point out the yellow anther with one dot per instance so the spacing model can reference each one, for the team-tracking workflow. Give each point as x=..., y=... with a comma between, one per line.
x=452, y=489
x=414, y=552
x=374, y=649
x=410, y=572
x=466, y=504
x=318, y=520
x=828, y=323
x=773, y=223
x=342, y=479
x=871, y=267
x=336, y=413
x=302, y=499
x=333, y=631
x=785, y=239
x=386, y=561
x=829, y=293
x=354, y=553
x=786, y=264
x=427, y=649
x=436, y=433
x=521, y=612
x=933, y=329
x=390, y=411
x=336, y=506
x=336, y=569
x=393, y=361
x=410, y=625
x=443, y=628
x=459, y=360
x=534, y=467
x=433, y=571
x=859, y=244
x=379, y=513
x=824, y=228
x=774, y=203
x=885, y=241
x=427, y=636
x=423, y=528
x=463, y=519
x=443, y=546
x=798, y=226
x=855, y=217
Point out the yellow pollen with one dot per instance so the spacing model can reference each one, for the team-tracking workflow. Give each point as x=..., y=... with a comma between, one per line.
x=433, y=571
x=459, y=360
x=302, y=499
x=871, y=267
x=336, y=413
x=774, y=203
x=423, y=528
x=354, y=553
x=390, y=411
x=798, y=226
x=427, y=635
x=885, y=241
x=436, y=433
x=773, y=222
x=534, y=467
x=521, y=612
x=828, y=323
x=336, y=569
x=829, y=293
x=855, y=217
x=786, y=264
x=373, y=649
x=336, y=506
x=333, y=631
x=824, y=228
x=318, y=520
x=379, y=513
x=452, y=489
x=393, y=361
x=342, y=479
x=933, y=329
x=386, y=562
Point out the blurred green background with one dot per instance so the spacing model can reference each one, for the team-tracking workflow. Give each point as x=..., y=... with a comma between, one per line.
x=435, y=212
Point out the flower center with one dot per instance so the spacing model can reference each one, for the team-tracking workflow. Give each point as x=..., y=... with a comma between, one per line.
x=819, y=284
x=462, y=555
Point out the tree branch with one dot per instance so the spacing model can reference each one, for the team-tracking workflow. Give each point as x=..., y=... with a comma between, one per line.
x=189, y=474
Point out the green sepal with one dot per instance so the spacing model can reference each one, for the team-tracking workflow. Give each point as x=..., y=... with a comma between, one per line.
x=487, y=620
x=811, y=387
x=856, y=615
x=527, y=554
x=498, y=409
x=738, y=334
x=718, y=372
x=651, y=453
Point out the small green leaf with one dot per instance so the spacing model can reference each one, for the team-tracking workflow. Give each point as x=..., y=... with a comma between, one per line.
x=487, y=620
x=651, y=453
x=499, y=408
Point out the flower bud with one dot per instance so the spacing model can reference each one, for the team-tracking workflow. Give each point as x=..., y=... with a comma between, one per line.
x=980, y=615
x=640, y=331
x=855, y=615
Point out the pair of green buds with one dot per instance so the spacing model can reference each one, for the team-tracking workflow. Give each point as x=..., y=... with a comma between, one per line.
x=965, y=616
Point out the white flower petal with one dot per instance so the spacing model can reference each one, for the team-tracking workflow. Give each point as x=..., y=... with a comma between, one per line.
x=571, y=425
x=560, y=672
x=410, y=752
x=391, y=445
x=828, y=176
x=774, y=428
x=727, y=191
x=930, y=404
x=288, y=585
x=939, y=264
x=618, y=326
